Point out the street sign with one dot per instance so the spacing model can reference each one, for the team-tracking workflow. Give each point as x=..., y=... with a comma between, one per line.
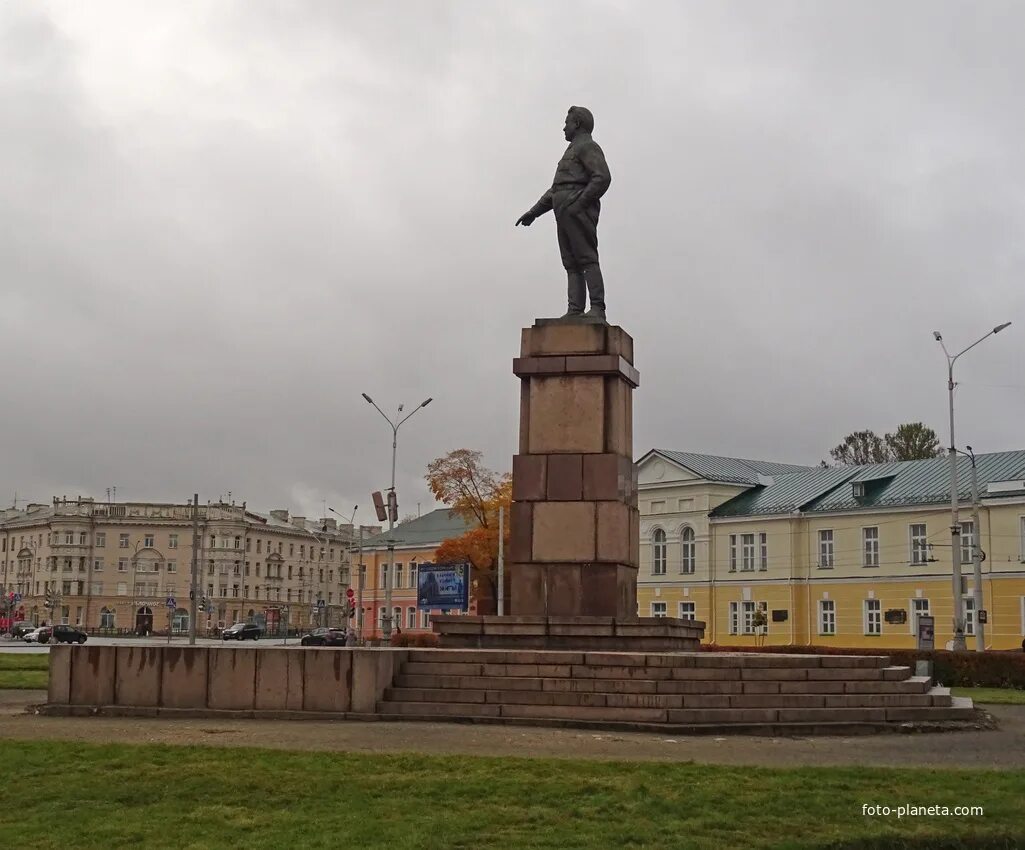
x=350, y=592
x=17, y=598
x=171, y=602
x=321, y=603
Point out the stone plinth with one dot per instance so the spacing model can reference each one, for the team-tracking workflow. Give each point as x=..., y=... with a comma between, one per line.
x=574, y=527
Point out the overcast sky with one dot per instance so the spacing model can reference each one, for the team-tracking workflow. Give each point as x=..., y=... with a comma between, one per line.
x=221, y=222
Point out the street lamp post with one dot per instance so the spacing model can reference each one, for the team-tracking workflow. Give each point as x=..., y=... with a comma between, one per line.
x=386, y=620
x=955, y=524
x=358, y=612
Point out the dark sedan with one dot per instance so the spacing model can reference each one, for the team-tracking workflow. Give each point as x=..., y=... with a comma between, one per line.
x=67, y=634
x=242, y=631
x=324, y=637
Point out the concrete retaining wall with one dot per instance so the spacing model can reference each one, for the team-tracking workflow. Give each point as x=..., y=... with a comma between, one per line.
x=249, y=679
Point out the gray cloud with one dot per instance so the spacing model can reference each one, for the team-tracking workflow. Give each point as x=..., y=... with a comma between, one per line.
x=219, y=225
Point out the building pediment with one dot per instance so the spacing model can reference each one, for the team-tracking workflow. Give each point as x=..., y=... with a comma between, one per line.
x=653, y=470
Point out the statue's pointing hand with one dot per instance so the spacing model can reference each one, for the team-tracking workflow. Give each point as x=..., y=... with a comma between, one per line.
x=526, y=219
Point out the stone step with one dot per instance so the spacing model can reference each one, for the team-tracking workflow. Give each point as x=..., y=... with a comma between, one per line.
x=635, y=700
x=651, y=673
x=723, y=717
x=913, y=685
x=700, y=660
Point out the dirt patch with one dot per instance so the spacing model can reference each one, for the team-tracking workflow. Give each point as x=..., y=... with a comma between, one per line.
x=1002, y=748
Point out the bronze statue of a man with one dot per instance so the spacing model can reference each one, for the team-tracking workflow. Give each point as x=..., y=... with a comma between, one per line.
x=581, y=178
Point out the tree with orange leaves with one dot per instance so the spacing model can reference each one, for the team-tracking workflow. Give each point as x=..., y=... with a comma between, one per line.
x=462, y=481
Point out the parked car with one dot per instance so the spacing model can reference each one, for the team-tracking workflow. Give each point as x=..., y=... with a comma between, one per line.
x=22, y=628
x=242, y=631
x=324, y=637
x=37, y=635
x=68, y=634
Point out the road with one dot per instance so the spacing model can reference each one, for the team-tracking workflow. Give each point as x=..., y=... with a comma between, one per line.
x=21, y=647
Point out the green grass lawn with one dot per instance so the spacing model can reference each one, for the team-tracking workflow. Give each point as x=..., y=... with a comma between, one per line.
x=24, y=670
x=118, y=796
x=993, y=696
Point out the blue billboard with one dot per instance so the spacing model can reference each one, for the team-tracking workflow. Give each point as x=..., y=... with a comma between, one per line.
x=443, y=586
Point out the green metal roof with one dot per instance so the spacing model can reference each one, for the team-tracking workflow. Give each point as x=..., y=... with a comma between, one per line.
x=913, y=482
x=428, y=530
x=731, y=470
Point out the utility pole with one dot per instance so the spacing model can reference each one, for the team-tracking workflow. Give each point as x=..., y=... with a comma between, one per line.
x=955, y=522
x=980, y=627
x=194, y=576
x=501, y=560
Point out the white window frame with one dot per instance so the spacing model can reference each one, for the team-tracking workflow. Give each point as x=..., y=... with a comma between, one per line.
x=172, y=541
x=688, y=551
x=870, y=546
x=826, y=548
x=734, y=618
x=968, y=608
x=747, y=612
x=967, y=542
x=827, y=606
x=918, y=544
x=411, y=617
x=747, y=553
x=733, y=556
x=763, y=551
x=659, y=609
x=658, y=552
x=913, y=607
x=873, y=617
x=688, y=610
x=101, y=539
x=147, y=541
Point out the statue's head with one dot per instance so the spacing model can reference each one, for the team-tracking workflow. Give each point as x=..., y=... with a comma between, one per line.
x=578, y=120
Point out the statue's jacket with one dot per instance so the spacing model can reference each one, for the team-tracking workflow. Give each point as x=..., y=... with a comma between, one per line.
x=582, y=175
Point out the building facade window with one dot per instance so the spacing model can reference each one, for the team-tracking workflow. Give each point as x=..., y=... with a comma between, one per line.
x=172, y=541
x=658, y=552
x=101, y=539
x=747, y=552
x=969, y=615
x=97, y=565
x=688, y=611
x=763, y=551
x=870, y=546
x=107, y=618
x=917, y=538
x=411, y=617
x=967, y=542
x=122, y=565
x=687, y=551
x=122, y=541
x=658, y=609
x=398, y=575
x=827, y=617
x=147, y=541
x=873, y=617
x=733, y=557
x=826, y=548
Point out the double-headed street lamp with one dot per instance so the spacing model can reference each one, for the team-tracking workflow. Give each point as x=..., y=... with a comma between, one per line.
x=386, y=623
x=955, y=524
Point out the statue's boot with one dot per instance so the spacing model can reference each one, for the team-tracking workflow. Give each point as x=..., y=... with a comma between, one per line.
x=576, y=291
x=596, y=291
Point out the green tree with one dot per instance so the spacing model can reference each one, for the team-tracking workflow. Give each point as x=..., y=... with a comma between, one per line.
x=913, y=441
x=860, y=448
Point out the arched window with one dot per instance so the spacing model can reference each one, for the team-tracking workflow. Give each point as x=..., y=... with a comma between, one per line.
x=658, y=552
x=687, y=551
x=106, y=618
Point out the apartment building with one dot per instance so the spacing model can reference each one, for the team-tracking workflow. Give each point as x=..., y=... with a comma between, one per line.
x=845, y=556
x=115, y=565
x=414, y=542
